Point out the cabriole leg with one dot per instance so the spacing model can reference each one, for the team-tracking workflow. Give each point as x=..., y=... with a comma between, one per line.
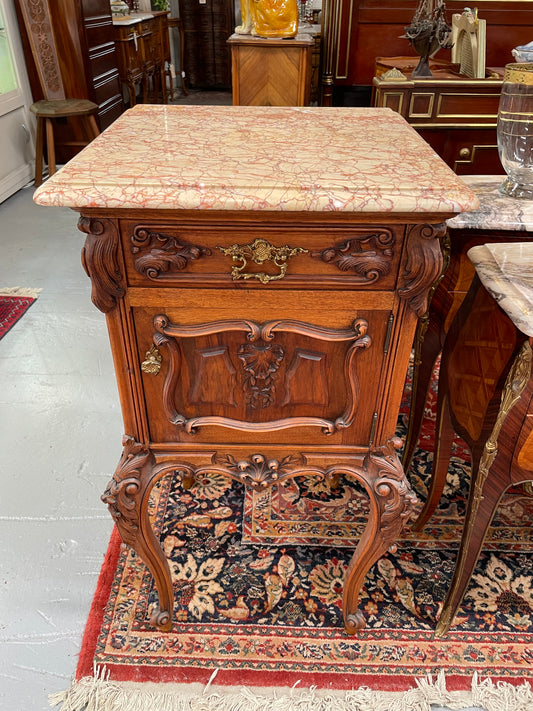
x=127, y=496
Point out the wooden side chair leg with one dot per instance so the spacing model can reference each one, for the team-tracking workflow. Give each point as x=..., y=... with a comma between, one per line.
x=168, y=74
x=39, y=147
x=51, y=149
x=93, y=126
x=444, y=436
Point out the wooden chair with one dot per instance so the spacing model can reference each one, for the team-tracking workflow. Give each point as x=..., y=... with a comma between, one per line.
x=39, y=40
x=46, y=112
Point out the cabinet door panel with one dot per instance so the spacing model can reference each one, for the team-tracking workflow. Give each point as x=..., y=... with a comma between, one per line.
x=255, y=379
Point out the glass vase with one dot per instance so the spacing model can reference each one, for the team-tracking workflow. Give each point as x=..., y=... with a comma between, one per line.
x=515, y=130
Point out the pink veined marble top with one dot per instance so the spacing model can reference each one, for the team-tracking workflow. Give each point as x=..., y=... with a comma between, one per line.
x=259, y=158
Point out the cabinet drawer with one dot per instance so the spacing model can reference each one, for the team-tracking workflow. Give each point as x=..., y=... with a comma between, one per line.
x=216, y=367
x=357, y=256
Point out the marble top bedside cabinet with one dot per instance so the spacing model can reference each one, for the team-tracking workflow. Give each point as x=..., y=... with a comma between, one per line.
x=498, y=219
x=486, y=395
x=261, y=300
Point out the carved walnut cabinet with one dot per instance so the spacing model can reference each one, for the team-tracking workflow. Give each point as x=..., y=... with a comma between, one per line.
x=262, y=271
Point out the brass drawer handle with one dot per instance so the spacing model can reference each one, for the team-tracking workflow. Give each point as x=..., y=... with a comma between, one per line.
x=260, y=251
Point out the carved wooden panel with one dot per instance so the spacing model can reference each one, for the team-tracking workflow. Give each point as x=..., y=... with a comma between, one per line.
x=260, y=380
x=257, y=377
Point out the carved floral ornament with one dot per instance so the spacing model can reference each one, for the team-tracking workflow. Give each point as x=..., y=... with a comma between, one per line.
x=368, y=256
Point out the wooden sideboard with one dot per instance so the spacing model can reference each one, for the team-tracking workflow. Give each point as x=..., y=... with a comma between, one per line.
x=143, y=48
x=454, y=114
x=271, y=72
x=355, y=33
x=261, y=300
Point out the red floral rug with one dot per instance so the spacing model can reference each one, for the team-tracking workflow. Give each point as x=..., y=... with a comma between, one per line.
x=258, y=584
x=13, y=306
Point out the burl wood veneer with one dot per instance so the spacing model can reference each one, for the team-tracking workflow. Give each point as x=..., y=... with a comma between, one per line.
x=262, y=271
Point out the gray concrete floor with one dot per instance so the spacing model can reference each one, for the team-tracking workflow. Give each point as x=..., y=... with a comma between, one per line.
x=59, y=442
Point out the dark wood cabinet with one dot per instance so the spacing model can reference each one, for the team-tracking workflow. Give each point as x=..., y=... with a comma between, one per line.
x=100, y=59
x=206, y=29
x=456, y=115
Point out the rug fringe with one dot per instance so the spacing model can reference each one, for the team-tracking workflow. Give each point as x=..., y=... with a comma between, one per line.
x=98, y=693
x=19, y=291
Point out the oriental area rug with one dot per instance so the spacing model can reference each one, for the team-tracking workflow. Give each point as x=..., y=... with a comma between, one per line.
x=14, y=302
x=258, y=602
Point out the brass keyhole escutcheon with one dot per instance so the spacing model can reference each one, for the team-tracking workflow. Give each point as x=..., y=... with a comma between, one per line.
x=152, y=361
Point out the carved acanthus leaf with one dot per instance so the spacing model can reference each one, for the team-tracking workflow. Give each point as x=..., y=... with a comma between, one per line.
x=121, y=494
x=394, y=494
x=258, y=471
x=423, y=266
x=156, y=253
x=369, y=256
x=100, y=260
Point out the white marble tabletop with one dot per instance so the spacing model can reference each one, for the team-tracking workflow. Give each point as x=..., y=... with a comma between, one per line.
x=259, y=158
x=496, y=211
x=506, y=271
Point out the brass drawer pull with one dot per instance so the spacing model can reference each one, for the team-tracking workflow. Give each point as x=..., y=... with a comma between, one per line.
x=260, y=251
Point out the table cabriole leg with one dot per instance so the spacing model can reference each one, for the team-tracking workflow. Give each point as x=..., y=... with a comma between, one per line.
x=127, y=496
x=391, y=503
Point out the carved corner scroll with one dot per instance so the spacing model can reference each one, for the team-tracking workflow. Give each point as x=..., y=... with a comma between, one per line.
x=259, y=380
x=423, y=265
x=260, y=251
x=100, y=260
x=127, y=496
x=155, y=253
x=368, y=256
x=393, y=503
x=122, y=492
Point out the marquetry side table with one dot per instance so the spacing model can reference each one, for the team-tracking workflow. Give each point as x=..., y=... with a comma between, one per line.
x=261, y=301
x=498, y=219
x=271, y=72
x=486, y=396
